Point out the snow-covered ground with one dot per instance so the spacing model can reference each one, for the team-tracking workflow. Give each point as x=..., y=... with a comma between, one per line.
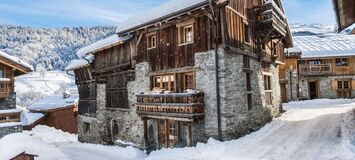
x=34, y=86
x=316, y=129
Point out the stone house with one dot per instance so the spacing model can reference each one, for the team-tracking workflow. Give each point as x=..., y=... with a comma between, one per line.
x=183, y=72
x=321, y=66
x=10, y=67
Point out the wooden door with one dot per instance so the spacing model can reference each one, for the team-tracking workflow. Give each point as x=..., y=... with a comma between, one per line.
x=312, y=87
x=283, y=92
x=344, y=89
x=168, y=133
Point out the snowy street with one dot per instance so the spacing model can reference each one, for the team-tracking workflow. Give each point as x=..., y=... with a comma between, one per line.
x=317, y=129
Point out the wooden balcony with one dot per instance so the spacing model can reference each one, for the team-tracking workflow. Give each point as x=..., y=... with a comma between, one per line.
x=10, y=117
x=270, y=17
x=178, y=106
x=315, y=70
x=5, y=87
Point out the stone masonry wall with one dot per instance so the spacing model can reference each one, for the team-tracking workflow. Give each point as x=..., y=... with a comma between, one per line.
x=236, y=120
x=294, y=79
x=9, y=130
x=325, y=89
x=92, y=136
x=9, y=102
x=129, y=123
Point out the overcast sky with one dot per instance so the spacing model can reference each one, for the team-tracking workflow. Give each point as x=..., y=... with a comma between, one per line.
x=69, y=13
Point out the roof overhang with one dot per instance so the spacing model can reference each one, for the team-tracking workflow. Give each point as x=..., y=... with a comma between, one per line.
x=345, y=13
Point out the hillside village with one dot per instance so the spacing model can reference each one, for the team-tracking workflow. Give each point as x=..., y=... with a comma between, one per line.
x=187, y=79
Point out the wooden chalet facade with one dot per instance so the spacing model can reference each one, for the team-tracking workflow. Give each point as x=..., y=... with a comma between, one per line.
x=319, y=74
x=180, y=77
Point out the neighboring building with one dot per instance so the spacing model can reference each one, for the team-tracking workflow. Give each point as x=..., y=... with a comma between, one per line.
x=321, y=66
x=345, y=13
x=161, y=82
x=10, y=67
x=59, y=112
x=24, y=156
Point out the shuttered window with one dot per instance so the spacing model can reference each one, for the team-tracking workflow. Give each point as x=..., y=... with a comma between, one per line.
x=116, y=89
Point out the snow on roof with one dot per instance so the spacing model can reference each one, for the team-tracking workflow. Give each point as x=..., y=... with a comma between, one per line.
x=27, y=118
x=77, y=63
x=16, y=60
x=10, y=124
x=10, y=111
x=167, y=9
x=107, y=42
x=328, y=45
x=54, y=102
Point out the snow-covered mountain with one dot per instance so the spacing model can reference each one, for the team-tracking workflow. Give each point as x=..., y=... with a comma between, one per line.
x=311, y=29
x=53, y=48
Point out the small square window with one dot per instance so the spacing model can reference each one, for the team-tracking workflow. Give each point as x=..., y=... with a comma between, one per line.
x=341, y=62
x=151, y=41
x=186, y=33
x=86, y=127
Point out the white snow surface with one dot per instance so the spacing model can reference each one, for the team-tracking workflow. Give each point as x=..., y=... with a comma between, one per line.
x=52, y=144
x=9, y=111
x=27, y=118
x=109, y=41
x=15, y=60
x=54, y=102
x=326, y=45
x=77, y=63
x=10, y=124
x=314, y=129
x=33, y=86
x=167, y=9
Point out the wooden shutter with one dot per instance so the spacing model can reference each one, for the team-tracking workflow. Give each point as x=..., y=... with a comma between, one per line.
x=334, y=84
x=353, y=84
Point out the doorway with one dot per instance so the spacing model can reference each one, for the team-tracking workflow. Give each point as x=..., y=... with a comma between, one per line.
x=171, y=134
x=313, y=90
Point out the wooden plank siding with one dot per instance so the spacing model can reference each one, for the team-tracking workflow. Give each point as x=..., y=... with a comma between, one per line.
x=169, y=54
x=337, y=70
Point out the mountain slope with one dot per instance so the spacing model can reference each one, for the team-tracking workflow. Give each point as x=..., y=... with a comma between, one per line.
x=52, y=48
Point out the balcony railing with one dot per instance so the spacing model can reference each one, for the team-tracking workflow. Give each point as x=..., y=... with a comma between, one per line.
x=315, y=70
x=10, y=117
x=270, y=16
x=178, y=105
x=5, y=87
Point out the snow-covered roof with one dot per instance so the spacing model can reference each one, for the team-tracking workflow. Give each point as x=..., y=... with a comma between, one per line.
x=77, y=63
x=327, y=45
x=10, y=124
x=10, y=111
x=27, y=118
x=165, y=10
x=16, y=60
x=102, y=44
x=54, y=102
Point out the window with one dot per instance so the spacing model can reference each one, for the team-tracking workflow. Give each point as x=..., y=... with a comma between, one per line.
x=186, y=34
x=114, y=130
x=248, y=79
x=189, y=81
x=247, y=33
x=151, y=41
x=172, y=129
x=86, y=127
x=246, y=61
x=341, y=62
x=164, y=82
x=267, y=82
x=250, y=102
x=315, y=62
x=249, y=89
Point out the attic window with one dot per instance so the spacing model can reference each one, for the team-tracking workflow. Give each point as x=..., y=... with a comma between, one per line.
x=151, y=41
x=186, y=33
x=341, y=62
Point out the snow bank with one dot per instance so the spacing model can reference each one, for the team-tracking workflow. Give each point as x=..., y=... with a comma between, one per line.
x=327, y=45
x=54, y=102
x=167, y=9
x=16, y=60
x=52, y=144
x=107, y=42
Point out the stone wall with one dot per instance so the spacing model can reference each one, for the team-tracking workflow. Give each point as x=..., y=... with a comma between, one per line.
x=9, y=102
x=325, y=90
x=91, y=136
x=293, y=85
x=236, y=120
x=9, y=130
